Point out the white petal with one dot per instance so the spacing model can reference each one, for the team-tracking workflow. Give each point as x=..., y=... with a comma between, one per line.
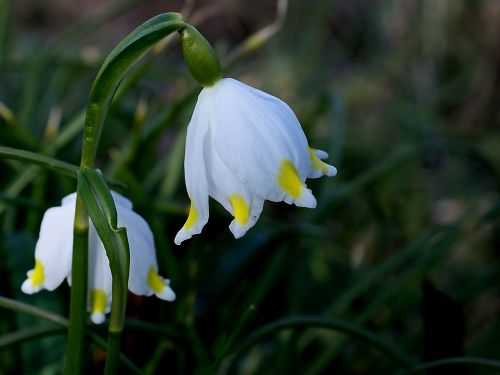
x=31, y=285
x=97, y=317
x=121, y=201
x=53, y=250
x=168, y=295
x=273, y=119
x=69, y=199
x=318, y=167
x=195, y=170
x=238, y=228
x=320, y=154
x=306, y=200
x=160, y=286
x=99, y=278
x=99, y=270
x=286, y=126
x=225, y=187
x=142, y=250
x=254, y=134
x=143, y=277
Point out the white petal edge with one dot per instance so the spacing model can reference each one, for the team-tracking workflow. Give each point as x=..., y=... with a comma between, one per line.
x=53, y=249
x=97, y=318
x=99, y=278
x=238, y=230
x=225, y=187
x=194, y=167
x=323, y=169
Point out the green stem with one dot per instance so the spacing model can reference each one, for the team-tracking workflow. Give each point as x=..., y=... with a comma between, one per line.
x=125, y=361
x=15, y=305
x=156, y=330
x=47, y=163
x=393, y=351
x=102, y=210
x=28, y=334
x=38, y=159
x=113, y=353
x=78, y=303
x=475, y=361
x=113, y=70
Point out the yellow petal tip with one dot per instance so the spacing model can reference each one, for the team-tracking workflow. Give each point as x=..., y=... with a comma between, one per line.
x=289, y=180
x=38, y=275
x=155, y=281
x=192, y=218
x=241, y=209
x=98, y=302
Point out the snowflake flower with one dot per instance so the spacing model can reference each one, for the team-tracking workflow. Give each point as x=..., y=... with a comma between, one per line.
x=54, y=250
x=243, y=147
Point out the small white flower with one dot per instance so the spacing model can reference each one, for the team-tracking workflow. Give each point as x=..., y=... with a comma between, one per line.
x=243, y=147
x=55, y=247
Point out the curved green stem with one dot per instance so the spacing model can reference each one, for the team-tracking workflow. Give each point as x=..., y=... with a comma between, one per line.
x=391, y=350
x=28, y=334
x=114, y=68
x=15, y=305
x=156, y=330
x=473, y=361
x=38, y=159
x=48, y=163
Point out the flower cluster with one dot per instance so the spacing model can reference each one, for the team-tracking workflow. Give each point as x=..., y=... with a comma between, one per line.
x=243, y=147
x=54, y=250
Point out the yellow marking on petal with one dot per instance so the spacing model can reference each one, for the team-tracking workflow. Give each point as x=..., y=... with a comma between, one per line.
x=192, y=217
x=289, y=180
x=316, y=162
x=37, y=276
x=98, y=301
x=241, y=209
x=155, y=281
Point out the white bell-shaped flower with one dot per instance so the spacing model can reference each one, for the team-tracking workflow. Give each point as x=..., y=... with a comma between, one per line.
x=243, y=147
x=55, y=247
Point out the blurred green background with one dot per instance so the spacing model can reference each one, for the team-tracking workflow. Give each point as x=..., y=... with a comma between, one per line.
x=403, y=94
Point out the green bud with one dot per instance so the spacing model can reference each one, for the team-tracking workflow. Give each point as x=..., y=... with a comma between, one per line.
x=200, y=57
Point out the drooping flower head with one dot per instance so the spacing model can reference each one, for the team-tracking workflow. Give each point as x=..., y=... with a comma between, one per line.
x=243, y=147
x=54, y=249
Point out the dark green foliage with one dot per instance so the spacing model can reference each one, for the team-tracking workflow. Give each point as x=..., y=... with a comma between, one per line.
x=404, y=241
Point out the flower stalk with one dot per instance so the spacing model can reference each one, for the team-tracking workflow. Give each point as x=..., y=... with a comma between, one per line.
x=114, y=68
x=102, y=210
x=78, y=296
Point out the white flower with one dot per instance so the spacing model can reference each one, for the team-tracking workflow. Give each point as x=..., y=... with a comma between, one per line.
x=55, y=247
x=244, y=146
